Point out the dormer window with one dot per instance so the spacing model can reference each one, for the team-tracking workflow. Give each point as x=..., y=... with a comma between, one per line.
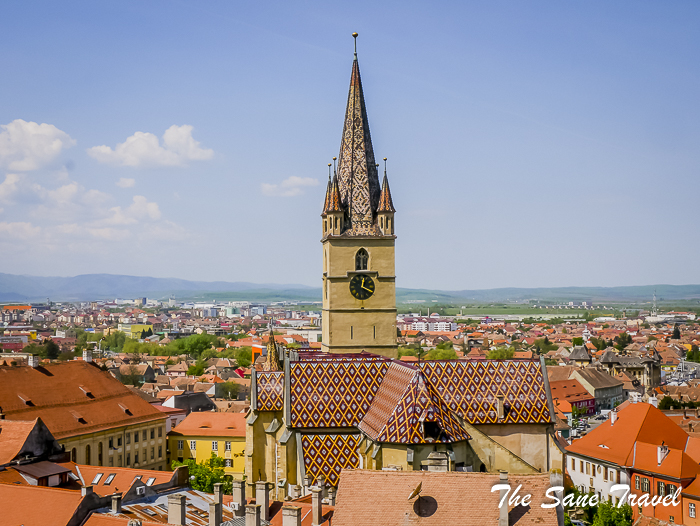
x=361, y=259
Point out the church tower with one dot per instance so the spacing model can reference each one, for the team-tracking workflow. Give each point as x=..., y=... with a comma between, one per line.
x=359, y=289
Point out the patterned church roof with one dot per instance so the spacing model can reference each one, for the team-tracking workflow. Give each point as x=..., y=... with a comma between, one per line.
x=327, y=455
x=404, y=403
x=334, y=393
x=270, y=391
x=386, y=204
x=471, y=389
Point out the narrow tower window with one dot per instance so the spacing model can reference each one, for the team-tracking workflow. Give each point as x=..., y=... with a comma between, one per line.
x=351, y=332
x=361, y=259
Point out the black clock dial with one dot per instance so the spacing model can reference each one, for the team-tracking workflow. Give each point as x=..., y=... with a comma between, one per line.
x=361, y=287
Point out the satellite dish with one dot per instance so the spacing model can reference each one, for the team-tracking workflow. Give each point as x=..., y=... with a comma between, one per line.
x=416, y=491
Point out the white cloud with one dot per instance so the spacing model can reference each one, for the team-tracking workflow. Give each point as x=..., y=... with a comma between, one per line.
x=289, y=187
x=144, y=149
x=9, y=186
x=125, y=182
x=19, y=230
x=140, y=209
x=26, y=146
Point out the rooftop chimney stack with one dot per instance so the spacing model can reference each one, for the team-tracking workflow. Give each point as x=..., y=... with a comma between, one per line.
x=252, y=515
x=218, y=494
x=262, y=497
x=291, y=516
x=613, y=418
x=654, y=401
x=503, y=510
x=238, y=503
x=661, y=452
x=177, y=509
x=117, y=503
x=215, y=516
x=316, y=506
x=331, y=495
x=85, y=490
x=33, y=361
x=87, y=356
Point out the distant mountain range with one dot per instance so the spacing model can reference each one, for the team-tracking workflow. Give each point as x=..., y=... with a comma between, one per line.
x=17, y=288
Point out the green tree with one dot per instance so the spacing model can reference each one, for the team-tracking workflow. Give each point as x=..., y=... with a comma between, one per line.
x=197, y=369
x=205, y=474
x=131, y=377
x=50, y=350
x=501, y=353
x=676, y=333
x=622, y=340
x=669, y=403
x=609, y=514
x=230, y=390
x=577, y=341
x=244, y=356
x=441, y=354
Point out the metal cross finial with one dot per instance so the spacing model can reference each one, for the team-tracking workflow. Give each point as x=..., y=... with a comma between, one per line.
x=384, y=165
x=354, y=35
x=329, y=171
x=334, y=172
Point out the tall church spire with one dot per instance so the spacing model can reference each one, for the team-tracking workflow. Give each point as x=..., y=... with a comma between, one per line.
x=358, y=180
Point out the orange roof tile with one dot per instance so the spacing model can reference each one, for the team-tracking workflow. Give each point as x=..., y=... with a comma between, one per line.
x=211, y=424
x=38, y=506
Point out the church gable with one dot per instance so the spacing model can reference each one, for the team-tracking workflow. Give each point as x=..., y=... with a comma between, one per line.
x=270, y=391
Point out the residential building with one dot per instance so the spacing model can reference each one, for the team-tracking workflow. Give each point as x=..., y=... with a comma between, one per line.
x=608, y=391
x=98, y=420
x=201, y=434
x=570, y=394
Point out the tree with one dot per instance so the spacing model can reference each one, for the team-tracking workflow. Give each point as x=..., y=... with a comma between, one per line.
x=676, y=333
x=229, y=390
x=577, y=341
x=50, y=350
x=622, y=340
x=132, y=377
x=441, y=354
x=244, y=356
x=205, y=474
x=501, y=353
x=196, y=369
x=609, y=514
x=669, y=403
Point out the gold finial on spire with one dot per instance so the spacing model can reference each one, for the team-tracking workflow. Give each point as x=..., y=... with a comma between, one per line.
x=354, y=35
x=384, y=165
x=334, y=159
x=329, y=171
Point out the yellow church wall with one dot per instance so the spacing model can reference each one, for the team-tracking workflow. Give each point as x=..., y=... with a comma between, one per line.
x=528, y=441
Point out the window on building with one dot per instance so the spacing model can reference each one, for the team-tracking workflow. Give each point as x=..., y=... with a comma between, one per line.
x=215, y=445
x=153, y=453
x=119, y=461
x=660, y=488
x=580, y=465
x=160, y=432
x=128, y=459
x=128, y=438
x=97, y=478
x=109, y=479
x=111, y=462
x=180, y=444
x=361, y=259
x=111, y=442
x=228, y=445
x=119, y=441
x=671, y=489
x=671, y=519
x=636, y=482
x=136, y=457
x=691, y=510
x=605, y=474
x=229, y=463
x=160, y=451
x=193, y=445
x=153, y=434
x=645, y=485
x=588, y=468
x=136, y=437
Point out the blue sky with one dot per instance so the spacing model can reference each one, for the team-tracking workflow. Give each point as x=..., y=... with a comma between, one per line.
x=529, y=143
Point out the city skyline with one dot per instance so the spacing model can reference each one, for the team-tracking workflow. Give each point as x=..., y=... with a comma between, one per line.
x=528, y=147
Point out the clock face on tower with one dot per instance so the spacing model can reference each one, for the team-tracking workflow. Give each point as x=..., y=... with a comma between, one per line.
x=361, y=287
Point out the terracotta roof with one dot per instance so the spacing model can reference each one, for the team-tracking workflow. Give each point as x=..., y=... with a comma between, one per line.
x=441, y=501
x=212, y=424
x=636, y=423
x=113, y=480
x=71, y=398
x=13, y=436
x=34, y=505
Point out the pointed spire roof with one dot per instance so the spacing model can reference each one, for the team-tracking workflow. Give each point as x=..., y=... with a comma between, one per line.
x=358, y=181
x=385, y=202
x=328, y=195
x=334, y=202
x=271, y=361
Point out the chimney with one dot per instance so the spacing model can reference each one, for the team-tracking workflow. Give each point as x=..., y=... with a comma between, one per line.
x=87, y=356
x=697, y=413
x=177, y=509
x=295, y=491
x=316, y=506
x=262, y=497
x=685, y=413
x=613, y=418
x=215, y=517
x=654, y=401
x=291, y=516
x=33, y=361
x=238, y=503
x=218, y=494
x=503, y=510
x=690, y=427
x=252, y=515
x=85, y=490
x=117, y=503
x=331, y=495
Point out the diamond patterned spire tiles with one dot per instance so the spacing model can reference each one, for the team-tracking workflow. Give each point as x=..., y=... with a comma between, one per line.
x=270, y=391
x=472, y=388
x=405, y=401
x=334, y=393
x=327, y=455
